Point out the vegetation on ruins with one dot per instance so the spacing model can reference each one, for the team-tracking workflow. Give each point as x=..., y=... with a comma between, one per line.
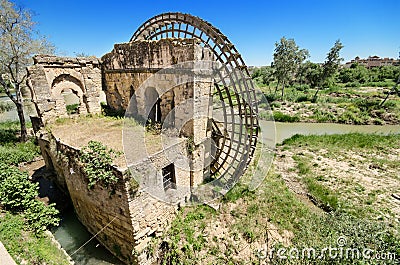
x=72, y=109
x=19, y=41
x=97, y=159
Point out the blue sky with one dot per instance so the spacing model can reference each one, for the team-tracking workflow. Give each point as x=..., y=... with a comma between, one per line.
x=365, y=27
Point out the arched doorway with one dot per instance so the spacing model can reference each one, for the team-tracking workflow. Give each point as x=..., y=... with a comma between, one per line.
x=68, y=94
x=152, y=104
x=71, y=100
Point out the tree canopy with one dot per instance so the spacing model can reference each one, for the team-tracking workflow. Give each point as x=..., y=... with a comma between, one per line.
x=19, y=41
x=287, y=60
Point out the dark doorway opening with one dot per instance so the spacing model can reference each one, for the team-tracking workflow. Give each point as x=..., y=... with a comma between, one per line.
x=155, y=113
x=168, y=173
x=153, y=105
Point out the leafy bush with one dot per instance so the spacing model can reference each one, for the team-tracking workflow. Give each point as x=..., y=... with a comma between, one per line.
x=281, y=117
x=72, y=109
x=40, y=216
x=109, y=111
x=18, y=194
x=271, y=97
x=302, y=98
x=97, y=159
x=16, y=191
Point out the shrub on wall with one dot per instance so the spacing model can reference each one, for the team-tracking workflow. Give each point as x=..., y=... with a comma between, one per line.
x=97, y=159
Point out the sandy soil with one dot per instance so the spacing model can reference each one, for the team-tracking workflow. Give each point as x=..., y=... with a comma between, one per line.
x=357, y=177
x=137, y=143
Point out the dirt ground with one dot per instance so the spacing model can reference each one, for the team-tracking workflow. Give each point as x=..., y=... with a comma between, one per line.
x=136, y=143
x=356, y=177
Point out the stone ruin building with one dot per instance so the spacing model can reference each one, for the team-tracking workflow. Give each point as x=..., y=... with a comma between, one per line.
x=210, y=121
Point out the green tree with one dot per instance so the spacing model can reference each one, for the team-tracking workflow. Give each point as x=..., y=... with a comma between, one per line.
x=312, y=73
x=388, y=72
x=263, y=75
x=18, y=43
x=331, y=65
x=287, y=59
x=356, y=73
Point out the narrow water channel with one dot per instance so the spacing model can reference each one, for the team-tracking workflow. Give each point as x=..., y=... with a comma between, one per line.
x=72, y=235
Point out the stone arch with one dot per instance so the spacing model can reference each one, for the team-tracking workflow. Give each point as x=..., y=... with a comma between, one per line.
x=66, y=83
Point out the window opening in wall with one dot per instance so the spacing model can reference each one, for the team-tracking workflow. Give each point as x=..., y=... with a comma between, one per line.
x=168, y=174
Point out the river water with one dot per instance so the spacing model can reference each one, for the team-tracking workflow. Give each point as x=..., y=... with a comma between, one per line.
x=286, y=130
x=71, y=234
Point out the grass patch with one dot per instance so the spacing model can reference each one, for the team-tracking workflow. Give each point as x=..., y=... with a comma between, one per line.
x=249, y=219
x=281, y=117
x=5, y=106
x=184, y=227
x=13, y=152
x=26, y=248
x=9, y=131
x=348, y=141
x=325, y=198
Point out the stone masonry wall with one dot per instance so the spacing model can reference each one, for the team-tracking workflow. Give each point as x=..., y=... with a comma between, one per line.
x=128, y=219
x=50, y=76
x=129, y=65
x=95, y=208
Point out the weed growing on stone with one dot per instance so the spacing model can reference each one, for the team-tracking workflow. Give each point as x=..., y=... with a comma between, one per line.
x=97, y=159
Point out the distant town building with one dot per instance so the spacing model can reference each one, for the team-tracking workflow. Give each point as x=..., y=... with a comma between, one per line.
x=373, y=61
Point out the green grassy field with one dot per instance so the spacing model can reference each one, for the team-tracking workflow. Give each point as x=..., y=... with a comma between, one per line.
x=317, y=195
